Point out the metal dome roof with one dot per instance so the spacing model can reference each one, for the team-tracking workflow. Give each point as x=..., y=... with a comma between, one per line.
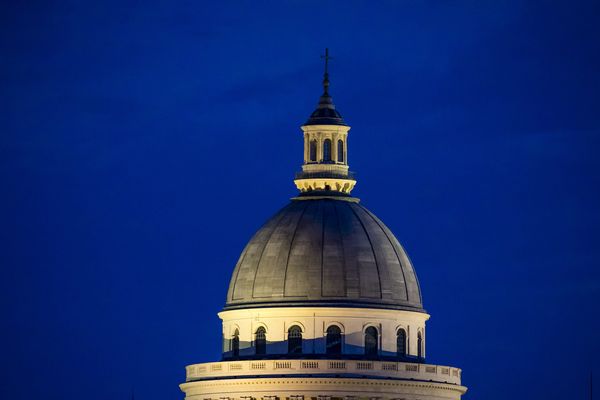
x=324, y=252
x=325, y=114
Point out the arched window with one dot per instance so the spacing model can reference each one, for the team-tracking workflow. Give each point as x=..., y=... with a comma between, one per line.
x=295, y=340
x=419, y=345
x=260, y=341
x=371, y=341
x=235, y=344
x=312, y=150
x=401, y=343
x=340, y=150
x=327, y=150
x=333, y=341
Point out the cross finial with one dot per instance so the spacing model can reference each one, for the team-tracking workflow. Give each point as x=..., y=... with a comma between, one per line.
x=326, y=76
x=327, y=58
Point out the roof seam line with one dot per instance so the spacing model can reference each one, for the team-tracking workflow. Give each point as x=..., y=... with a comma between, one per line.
x=287, y=261
x=281, y=214
x=372, y=250
x=395, y=251
x=323, y=222
x=337, y=217
x=238, y=266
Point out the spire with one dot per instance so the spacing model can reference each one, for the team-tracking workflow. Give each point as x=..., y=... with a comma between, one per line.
x=325, y=114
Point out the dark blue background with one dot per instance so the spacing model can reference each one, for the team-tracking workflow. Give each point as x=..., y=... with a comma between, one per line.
x=142, y=144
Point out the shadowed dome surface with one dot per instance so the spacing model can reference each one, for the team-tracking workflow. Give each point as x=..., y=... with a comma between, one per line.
x=325, y=114
x=324, y=252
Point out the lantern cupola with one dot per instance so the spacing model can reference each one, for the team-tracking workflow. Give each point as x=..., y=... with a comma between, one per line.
x=325, y=169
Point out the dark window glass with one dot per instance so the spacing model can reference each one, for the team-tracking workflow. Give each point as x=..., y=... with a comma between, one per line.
x=313, y=150
x=371, y=341
x=419, y=345
x=340, y=151
x=333, y=341
x=295, y=340
x=401, y=343
x=235, y=344
x=327, y=150
x=260, y=341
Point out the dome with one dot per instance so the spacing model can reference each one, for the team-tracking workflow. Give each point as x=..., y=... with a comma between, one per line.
x=324, y=252
x=325, y=113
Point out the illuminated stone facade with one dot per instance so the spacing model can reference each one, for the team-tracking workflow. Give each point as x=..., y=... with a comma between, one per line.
x=314, y=323
x=324, y=303
x=325, y=159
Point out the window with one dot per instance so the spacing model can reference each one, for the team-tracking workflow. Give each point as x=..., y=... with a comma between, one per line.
x=312, y=150
x=260, y=341
x=371, y=341
x=401, y=343
x=327, y=150
x=295, y=340
x=419, y=345
x=235, y=344
x=333, y=341
x=340, y=151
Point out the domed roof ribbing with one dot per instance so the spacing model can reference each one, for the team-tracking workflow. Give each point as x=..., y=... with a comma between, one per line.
x=324, y=252
x=325, y=114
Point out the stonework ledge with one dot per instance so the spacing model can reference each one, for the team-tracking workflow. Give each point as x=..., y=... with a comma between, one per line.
x=315, y=368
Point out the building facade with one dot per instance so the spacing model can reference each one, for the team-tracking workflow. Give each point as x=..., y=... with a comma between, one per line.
x=324, y=302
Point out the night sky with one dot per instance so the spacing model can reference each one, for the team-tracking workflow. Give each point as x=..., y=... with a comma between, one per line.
x=143, y=143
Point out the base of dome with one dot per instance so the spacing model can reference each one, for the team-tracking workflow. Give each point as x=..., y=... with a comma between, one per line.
x=314, y=378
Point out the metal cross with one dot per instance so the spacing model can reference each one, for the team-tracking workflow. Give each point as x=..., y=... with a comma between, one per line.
x=327, y=58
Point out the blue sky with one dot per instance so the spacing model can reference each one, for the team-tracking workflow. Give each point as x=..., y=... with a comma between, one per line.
x=142, y=144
